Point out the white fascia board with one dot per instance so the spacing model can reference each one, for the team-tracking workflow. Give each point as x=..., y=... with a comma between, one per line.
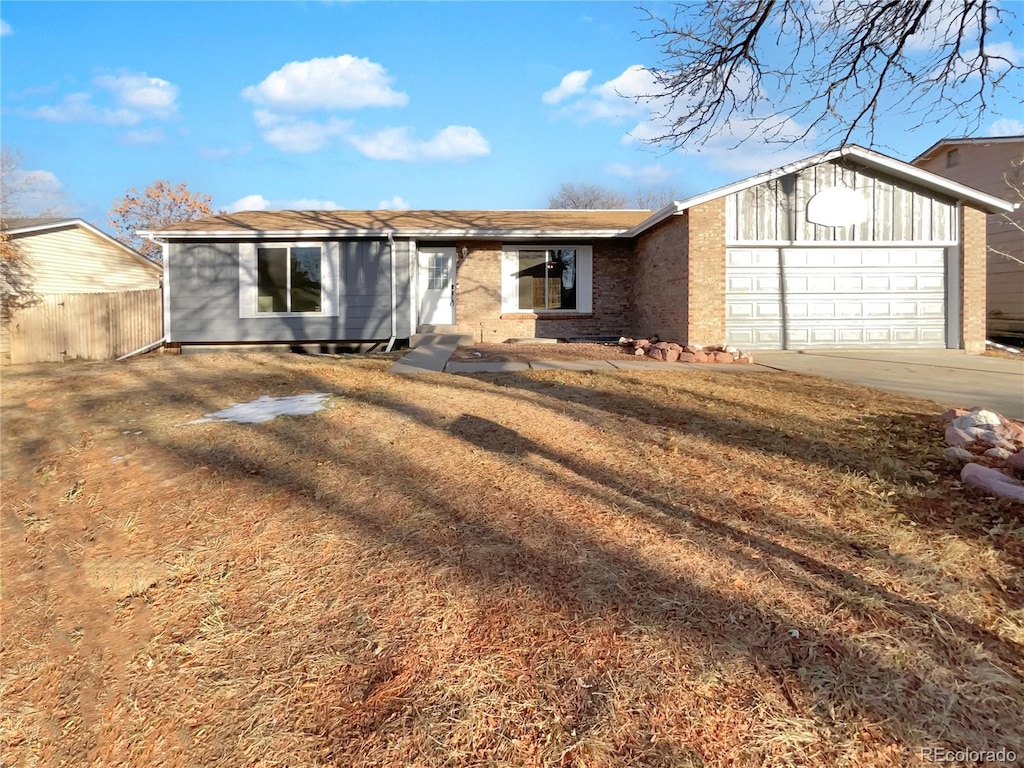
x=69, y=223
x=902, y=170
x=558, y=234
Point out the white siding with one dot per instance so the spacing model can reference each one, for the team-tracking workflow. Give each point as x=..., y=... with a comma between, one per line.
x=776, y=212
x=77, y=261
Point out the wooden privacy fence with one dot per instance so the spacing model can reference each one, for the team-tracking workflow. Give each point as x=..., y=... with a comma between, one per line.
x=86, y=326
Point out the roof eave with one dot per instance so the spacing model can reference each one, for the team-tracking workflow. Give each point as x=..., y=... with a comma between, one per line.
x=249, y=234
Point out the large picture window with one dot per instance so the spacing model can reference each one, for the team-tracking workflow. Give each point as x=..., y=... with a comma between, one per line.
x=288, y=279
x=546, y=278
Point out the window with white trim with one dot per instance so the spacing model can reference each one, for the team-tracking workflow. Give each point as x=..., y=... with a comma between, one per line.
x=542, y=279
x=288, y=279
x=282, y=279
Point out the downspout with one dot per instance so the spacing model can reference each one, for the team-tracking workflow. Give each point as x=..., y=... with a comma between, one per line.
x=394, y=296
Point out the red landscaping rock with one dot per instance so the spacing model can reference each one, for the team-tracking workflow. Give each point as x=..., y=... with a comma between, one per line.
x=956, y=436
x=724, y=357
x=687, y=357
x=1016, y=462
x=953, y=413
x=700, y=357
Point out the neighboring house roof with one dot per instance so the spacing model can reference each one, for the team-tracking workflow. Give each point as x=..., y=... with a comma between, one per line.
x=26, y=227
x=852, y=153
x=955, y=142
x=539, y=223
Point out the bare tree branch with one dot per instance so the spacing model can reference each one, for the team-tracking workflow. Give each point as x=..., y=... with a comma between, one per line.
x=789, y=69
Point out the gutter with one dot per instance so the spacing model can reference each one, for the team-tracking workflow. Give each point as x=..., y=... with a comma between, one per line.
x=143, y=350
x=394, y=295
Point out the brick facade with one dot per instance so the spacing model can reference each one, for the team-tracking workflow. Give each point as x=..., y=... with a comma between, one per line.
x=679, y=287
x=661, y=279
x=706, y=305
x=478, y=299
x=973, y=272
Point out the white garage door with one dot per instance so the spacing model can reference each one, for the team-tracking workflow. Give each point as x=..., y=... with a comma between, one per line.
x=835, y=297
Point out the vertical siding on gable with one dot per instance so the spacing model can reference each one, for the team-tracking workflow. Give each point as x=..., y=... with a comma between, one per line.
x=896, y=212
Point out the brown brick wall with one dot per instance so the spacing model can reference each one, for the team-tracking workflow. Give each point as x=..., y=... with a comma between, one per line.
x=706, y=288
x=478, y=299
x=973, y=269
x=660, y=285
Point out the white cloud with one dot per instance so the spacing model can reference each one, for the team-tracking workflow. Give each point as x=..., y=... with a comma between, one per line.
x=260, y=203
x=290, y=134
x=646, y=174
x=37, y=191
x=573, y=83
x=341, y=82
x=1006, y=127
x=136, y=97
x=249, y=203
x=456, y=142
x=311, y=204
x=78, y=108
x=396, y=203
x=149, y=97
x=5, y=29
x=628, y=95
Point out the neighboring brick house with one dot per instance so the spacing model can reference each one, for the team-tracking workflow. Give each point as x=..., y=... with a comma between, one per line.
x=992, y=165
x=846, y=248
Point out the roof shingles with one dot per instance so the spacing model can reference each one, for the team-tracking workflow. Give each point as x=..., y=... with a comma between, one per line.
x=423, y=221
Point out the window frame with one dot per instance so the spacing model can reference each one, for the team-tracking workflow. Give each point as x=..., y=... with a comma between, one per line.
x=248, y=282
x=510, y=281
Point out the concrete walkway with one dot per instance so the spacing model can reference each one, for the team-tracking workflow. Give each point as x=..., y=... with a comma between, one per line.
x=950, y=377
x=947, y=376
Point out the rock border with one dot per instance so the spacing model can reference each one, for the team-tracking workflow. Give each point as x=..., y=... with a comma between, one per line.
x=991, y=449
x=670, y=352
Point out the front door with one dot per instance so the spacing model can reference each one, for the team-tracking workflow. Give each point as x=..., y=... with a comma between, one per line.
x=437, y=286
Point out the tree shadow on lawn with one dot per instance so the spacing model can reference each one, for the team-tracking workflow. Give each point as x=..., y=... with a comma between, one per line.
x=904, y=441
x=842, y=683
x=855, y=681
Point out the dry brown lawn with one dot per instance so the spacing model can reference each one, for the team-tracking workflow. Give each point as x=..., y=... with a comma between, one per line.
x=651, y=568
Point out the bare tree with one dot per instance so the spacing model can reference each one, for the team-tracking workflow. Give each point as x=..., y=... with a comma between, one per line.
x=654, y=199
x=159, y=205
x=786, y=69
x=22, y=192
x=592, y=196
x=1015, y=181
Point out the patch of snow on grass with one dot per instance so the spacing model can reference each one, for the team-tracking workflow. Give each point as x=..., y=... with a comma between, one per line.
x=265, y=408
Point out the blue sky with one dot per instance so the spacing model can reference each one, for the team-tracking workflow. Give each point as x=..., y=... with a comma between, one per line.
x=354, y=105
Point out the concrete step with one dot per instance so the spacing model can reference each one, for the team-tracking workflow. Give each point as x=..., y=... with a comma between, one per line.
x=443, y=339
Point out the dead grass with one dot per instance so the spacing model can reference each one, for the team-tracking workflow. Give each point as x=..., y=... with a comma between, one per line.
x=551, y=568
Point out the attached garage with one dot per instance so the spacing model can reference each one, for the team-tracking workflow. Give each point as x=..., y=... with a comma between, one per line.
x=840, y=255
x=796, y=298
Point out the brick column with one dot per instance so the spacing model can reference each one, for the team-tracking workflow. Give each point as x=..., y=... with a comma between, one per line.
x=706, y=304
x=973, y=271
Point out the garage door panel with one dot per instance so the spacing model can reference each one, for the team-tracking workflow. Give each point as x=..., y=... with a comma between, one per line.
x=839, y=297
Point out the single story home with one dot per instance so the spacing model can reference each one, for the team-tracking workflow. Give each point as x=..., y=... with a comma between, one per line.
x=993, y=164
x=75, y=293
x=845, y=248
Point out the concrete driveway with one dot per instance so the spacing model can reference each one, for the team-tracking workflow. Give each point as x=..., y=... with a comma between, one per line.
x=949, y=377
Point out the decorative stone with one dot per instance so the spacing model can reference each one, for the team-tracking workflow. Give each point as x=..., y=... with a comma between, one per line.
x=977, y=418
x=953, y=413
x=723, y=357
x=956, y=453
x=998, y=453
x=687, y=357
x=955, y=436
x=992, y=481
